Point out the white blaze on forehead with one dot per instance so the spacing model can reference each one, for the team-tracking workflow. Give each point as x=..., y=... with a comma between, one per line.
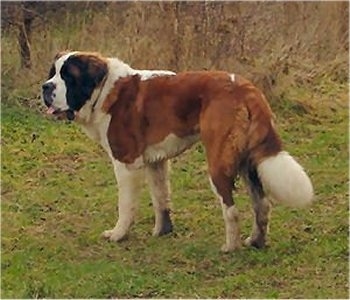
x=58, y=65
x=59, y=62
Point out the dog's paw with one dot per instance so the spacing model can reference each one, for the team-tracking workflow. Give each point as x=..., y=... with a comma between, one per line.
x=165, y=226
x=230, y=248
x=163, y=230
x=107, y=234
x=256, y=243
x=114, y=235
x=247, y=241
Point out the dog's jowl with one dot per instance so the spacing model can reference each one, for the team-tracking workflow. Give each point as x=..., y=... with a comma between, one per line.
x=143, y=118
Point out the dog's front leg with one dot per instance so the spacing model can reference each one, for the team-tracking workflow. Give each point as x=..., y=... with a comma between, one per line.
x=158, y=181
x=130, y=182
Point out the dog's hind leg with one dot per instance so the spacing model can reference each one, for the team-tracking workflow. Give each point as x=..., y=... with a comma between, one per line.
x=223, y=161
x=223, y=128
x=158, y=181
x=261, y=209
x=130, y=183
x=222, y=186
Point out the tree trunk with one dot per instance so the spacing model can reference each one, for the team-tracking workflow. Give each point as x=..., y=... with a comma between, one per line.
x=24, y=34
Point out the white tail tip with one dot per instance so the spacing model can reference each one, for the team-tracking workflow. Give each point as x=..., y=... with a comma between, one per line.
x=285, y=180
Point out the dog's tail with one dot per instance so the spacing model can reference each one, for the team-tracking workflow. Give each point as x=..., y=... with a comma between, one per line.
x=281, y=176
x=284, y=179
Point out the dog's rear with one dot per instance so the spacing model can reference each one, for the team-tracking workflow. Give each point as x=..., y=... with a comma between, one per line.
x=240, y=138
x=283, y=179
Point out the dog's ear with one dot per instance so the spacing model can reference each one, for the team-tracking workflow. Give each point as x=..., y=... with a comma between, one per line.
x=90, y=67
x=83, y=72
x=96, y=67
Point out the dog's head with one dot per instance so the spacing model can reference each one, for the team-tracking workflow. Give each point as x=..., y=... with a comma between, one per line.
x=72, y=80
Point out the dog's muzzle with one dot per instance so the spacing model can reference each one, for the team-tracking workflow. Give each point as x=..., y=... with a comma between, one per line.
x=47, y=90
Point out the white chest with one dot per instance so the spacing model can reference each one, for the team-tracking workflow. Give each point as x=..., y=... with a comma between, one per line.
x=97, y=131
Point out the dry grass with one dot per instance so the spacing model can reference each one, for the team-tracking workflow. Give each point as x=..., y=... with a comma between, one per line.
x=277, y=45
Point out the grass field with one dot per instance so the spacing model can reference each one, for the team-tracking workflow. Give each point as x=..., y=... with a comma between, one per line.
x=59, y=194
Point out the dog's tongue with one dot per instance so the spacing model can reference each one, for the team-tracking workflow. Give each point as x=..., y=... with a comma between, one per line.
x=50, y=110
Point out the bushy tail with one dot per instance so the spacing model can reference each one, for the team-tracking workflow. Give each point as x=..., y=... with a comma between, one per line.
x=284, y=180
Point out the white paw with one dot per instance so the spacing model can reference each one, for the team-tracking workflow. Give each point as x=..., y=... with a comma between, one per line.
x=107, y=234
x=225, y=248
x=156, y=231
x=248, y=241
x=255, y=242
x=114, y=235
x=229, y=248
x=163, y=230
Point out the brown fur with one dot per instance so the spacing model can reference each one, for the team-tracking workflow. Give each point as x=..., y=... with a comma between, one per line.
x=233, y=118
x=97, y=66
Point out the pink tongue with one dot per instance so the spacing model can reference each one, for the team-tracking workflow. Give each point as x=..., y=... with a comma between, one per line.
x=50, y=110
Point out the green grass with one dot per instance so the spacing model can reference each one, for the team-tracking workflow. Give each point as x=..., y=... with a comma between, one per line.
x=59, y=194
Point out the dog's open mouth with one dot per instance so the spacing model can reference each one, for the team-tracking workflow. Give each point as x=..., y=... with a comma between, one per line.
x=52, y=110
x=61, y=114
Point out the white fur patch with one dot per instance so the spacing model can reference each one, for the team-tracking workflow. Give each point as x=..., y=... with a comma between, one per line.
x=233, y=77
x=213, y=187
x=233, y=240
x=130, y=184
x=137, y=164
x=148, y=74
x=171, y=146
x=285, y=180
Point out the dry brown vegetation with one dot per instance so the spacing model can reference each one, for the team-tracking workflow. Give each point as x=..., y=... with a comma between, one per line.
x=276, y=44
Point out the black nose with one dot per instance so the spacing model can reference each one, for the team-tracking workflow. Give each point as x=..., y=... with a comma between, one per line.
x=48, y=87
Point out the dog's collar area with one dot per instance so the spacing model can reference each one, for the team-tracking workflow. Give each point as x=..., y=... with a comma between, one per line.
x=99, y=94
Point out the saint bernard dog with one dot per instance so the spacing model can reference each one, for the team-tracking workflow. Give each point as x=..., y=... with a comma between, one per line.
x=143, y=118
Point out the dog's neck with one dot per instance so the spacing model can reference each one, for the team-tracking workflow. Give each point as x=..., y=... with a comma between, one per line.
x=91, y=111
